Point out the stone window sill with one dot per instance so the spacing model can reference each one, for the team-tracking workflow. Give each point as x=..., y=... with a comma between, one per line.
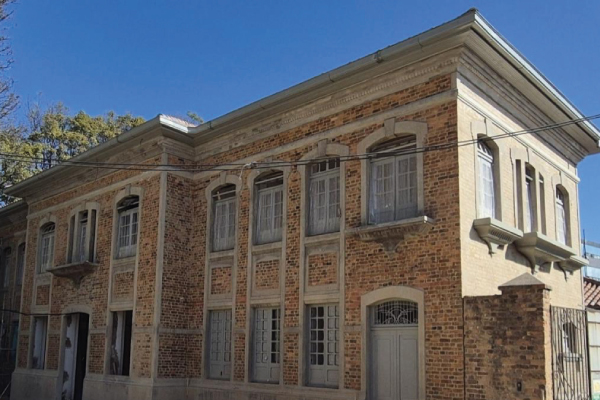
x=496, y=233
x=539, y=249
x=390, y=234
x=74, y=271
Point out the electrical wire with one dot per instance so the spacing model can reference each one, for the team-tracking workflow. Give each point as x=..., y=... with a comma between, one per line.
x=270, y=164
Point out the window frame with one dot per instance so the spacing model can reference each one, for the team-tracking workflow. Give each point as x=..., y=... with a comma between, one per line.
x=271, y=316
x=391, y=129
x=131, y=211
x=563, y=204
x=313, y=352
x=487, y=158
x=6, y=266
x=122, y=340
x=230, y=204
x=35, y=334
x=20, y=263
x=274, y=233
x=45, y=232
x=330, y=223
x=222, y=364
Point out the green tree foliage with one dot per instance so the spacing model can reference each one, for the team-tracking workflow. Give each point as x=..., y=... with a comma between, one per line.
x=52, y=135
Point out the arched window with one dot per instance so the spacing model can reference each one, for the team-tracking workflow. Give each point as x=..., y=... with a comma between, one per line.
x=223, y=233
x=46, y=250
x=324, y=197
x=487, y=197
x=127, y=233
x=82, y=235
x=530, y=200
x=562, y=226
x=396, y=312
x=394, y=187
x=269, y=207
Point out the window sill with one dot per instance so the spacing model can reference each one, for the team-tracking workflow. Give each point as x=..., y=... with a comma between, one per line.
x=496, y=233
x=74, y=271
x=323, y=237
x=266, y=247
x=571, y=357
x=390, y=234
x=539, y=249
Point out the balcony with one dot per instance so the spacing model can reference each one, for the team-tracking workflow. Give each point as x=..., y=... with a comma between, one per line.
x=390, y=234
x=75, y=271
x=496, y=233
x=539, y=249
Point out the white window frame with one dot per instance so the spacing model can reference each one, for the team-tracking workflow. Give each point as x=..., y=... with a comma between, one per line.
x=323, y=350
x=486, y=192
x=40, y=336
x=529, y=200
x=46, y=247
x=266, y=356
x=269, y=217
x=324, y=197
x=127, y=235
x=219, y=344
x=224, y=219
x=385, y=203
x=562, y=226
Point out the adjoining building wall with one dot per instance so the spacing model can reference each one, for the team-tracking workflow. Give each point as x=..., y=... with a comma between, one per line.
x=507, y=344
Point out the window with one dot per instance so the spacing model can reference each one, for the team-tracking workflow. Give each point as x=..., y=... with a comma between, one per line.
x=220, y=344
x=393, y=194
x=46, y=256
x=562, y=230
x=542, y=192
x=20, y=263
x=120, y=347
x=224, y=218
x=38, y=354
x=530, y=201
x=82, y=236
x=324, y=197
x=127, y=239
x=569, y=331
x=6, y=267
x=487, y=202
x=323, y=345
x=269, y=207
x=266, y=345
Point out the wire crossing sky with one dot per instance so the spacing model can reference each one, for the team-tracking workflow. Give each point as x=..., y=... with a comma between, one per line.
x=158, y=56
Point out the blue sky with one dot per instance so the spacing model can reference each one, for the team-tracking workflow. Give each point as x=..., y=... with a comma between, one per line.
x=150, y=57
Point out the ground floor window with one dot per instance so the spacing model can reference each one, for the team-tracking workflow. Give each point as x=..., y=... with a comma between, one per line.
x=120, y=347
x=220, y=344
x=266, y=359
x=323, y=348
x=40, y=330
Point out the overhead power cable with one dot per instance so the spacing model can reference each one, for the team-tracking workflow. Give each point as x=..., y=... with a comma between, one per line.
x=270, y=164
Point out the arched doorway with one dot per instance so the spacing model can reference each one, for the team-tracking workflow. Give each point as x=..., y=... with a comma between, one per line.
x=394, y=350
x=75, y=355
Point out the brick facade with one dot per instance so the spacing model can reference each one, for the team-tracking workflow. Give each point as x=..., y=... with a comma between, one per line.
x=176, y=278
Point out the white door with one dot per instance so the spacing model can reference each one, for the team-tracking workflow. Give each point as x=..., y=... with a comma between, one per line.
x=394, y=364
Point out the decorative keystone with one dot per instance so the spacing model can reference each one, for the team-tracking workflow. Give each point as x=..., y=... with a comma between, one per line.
x=496, y=233
x=74, y=271
x=390, y=234
x=539, y=249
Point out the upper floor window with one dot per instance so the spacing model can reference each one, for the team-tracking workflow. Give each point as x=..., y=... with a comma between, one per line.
x=6, y=267
x=82, y=236
x=530, y=200
x=20, y=263
x=562, y=227
x=46, y=251
x=487, y=202
x=269, y=207
x=127, y=233
x=324, y=197
x=223, y=235
x=394, y=183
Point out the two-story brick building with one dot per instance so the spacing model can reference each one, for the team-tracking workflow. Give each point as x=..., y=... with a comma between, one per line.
x=402, y=227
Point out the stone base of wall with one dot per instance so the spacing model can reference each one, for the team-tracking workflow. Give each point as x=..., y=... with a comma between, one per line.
x=34, y=384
